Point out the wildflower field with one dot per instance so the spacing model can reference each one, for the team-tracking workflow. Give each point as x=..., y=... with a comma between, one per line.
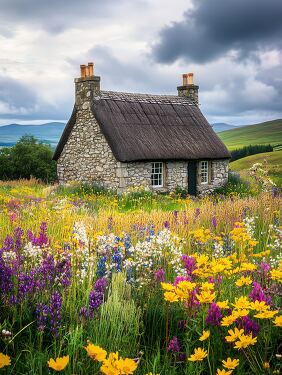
x=96, y=283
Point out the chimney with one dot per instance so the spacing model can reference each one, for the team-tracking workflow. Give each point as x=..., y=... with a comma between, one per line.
x=188, y=88
x=86, y=86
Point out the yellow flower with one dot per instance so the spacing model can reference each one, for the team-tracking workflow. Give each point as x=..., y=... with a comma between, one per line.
x=240, y=313
x=186, y=286
x=5, y=360
x=247, y=267
x=266, y=365
x=206, y=287
x=259, y=306
x=243, y=281
x=168, y=287
x=223, y=304
x=59, y=363
x=245, y=341
x=95, y=352
x=228, y=320
x=242, y=303
x=199, y=355
x=108, y=367
x=276, y=275
x=171, y=297
x=230, y=364
x=205, y=335
x=278, y=321
x=234, y=334
x=126, y=366
x=206, y=297
x=267, y=314
x=223, y=372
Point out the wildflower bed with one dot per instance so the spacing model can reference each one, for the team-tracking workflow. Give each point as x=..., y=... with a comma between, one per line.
x=91, y=284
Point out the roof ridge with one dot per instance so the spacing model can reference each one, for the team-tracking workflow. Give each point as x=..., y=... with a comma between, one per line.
x=140, y=97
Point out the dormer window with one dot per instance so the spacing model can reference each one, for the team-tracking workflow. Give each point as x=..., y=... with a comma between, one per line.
x=157, y=174
x=204, y=172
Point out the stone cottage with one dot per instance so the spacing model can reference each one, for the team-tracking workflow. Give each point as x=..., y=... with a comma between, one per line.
x=120, y=140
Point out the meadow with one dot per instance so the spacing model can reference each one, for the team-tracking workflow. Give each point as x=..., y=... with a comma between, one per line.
x=271, y=160
x=265, y=133
x=97, y=283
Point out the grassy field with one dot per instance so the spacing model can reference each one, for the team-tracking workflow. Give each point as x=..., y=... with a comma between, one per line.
x=94, y=283
x=265, y=133
x=272, y=160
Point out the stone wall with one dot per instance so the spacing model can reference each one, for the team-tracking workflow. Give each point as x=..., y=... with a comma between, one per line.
x=87, y=157
x=175, y=175
x=218, y=176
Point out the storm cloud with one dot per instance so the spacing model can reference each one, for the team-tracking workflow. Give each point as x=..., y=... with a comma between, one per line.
x=215, y=28
x=54, y=15
x=233, y=47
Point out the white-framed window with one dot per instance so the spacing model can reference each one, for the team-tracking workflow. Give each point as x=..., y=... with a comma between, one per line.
x=157, y=177
x=204, y=172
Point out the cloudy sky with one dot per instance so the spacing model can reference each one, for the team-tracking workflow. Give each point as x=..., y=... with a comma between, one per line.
x=234, y=48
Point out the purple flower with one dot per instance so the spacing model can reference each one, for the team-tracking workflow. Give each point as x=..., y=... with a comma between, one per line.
x=55, y=313
x=41, y=313
x=25, y=285
x=96, y=297
x=214, y=315
x=166, y=224
x=95, y=300
x=42, y=240
x=265, y=267
x=189, y=264
x=214, y=222
x=100, y=285
x=257, y=294
x=249, y=326
x=174, y=345
x=160, y=275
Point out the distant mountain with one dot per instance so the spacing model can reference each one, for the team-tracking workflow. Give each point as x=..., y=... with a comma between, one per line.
x=222, y=126
x=48, y=133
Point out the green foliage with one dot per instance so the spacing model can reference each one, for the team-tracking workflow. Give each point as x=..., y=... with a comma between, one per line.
x=28, y=158
x=235, y=186
x=182, y=193
x=120, y=319
x=240, y=153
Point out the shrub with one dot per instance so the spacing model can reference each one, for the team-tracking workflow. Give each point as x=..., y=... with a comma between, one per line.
x=28, y=158
x=249, y=150
x=235, y=186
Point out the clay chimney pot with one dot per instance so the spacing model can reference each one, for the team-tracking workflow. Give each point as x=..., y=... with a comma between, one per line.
x=91, y=69
x=190, y=79
x=82, y=71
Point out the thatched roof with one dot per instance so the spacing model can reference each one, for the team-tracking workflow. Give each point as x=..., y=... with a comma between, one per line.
x=152, y=127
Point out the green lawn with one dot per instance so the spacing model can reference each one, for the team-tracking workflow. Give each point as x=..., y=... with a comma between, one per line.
x=265, y=133
x=273, y=160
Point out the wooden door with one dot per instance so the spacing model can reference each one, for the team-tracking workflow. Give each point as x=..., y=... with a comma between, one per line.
x=192, y=177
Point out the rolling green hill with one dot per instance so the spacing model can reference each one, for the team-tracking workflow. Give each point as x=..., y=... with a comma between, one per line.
x=269, y=132
x=273, y=160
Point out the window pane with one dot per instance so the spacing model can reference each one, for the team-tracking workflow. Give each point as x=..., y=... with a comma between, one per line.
x=157, y=174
